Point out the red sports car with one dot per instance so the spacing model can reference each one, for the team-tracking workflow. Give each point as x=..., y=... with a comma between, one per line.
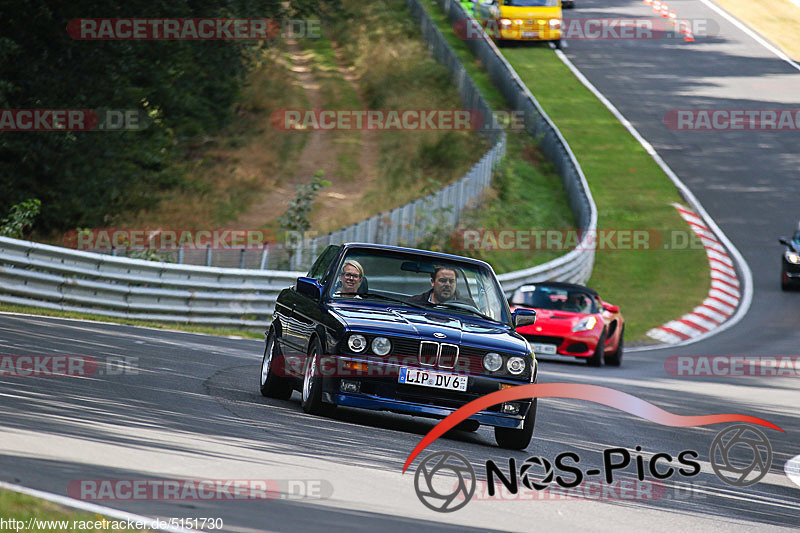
x=572, y=320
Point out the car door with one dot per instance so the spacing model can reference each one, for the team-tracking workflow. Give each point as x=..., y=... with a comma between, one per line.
x=306, y=313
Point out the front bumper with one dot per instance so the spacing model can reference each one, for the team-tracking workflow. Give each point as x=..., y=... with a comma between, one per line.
x=380, y=390
x=533, y=33
x=375, y=403
x=576, y=344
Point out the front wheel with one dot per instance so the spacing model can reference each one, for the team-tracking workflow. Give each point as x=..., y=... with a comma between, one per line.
x=615, y=359
x=273, y=386
x=597, y=358
x=312, y=382
x=517, y=439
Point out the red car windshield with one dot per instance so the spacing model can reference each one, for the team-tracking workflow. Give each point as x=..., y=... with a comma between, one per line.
x=554, y=298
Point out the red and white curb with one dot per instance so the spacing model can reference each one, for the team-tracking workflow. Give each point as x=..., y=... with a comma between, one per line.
x=723, y=297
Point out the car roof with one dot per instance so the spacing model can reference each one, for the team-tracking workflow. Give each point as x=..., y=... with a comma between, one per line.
x=562, y=285
x=428, y=253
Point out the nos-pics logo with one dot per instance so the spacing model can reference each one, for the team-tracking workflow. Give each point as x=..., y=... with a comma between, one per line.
x=434, y=485
x=445, y=481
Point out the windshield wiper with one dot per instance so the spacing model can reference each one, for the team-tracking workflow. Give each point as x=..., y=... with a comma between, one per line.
x=466, y=307
x=389, y=298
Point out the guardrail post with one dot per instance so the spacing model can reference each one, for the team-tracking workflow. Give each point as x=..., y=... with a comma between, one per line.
x=208, y=255
x=264, y=256
x=241, y=258
x=180, y=254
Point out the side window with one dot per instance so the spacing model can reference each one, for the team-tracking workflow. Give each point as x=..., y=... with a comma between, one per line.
x=320, y=266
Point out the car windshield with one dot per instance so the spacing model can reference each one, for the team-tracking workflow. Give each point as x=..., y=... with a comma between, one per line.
x=460, y=288
x=531, y=3
x=796, y=237
x=554, y=298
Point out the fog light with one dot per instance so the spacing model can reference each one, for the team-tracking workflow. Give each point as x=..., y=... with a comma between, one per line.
x=504, y=386
x=347, y=385
x=510, y=408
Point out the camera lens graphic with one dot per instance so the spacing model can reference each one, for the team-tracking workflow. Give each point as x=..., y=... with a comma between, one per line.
x=454, y=472
x=740, y=455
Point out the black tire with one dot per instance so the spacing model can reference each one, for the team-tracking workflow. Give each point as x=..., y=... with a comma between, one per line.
x=615, y=359
x=271, y=385
x=517, y=439
x=311, y=391
x=557, y=44
x=785, y=283
x=468, y=425
x=597, y=358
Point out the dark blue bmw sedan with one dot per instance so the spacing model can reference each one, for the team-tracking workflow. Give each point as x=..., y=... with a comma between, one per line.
x=397, y=329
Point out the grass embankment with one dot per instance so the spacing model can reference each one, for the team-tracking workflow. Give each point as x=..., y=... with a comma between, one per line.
x=630, y=190
x=372, y=57
x=526, y=191
x=50, y=517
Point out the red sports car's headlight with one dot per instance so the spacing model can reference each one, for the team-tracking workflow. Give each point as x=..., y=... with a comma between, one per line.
x=585, y=324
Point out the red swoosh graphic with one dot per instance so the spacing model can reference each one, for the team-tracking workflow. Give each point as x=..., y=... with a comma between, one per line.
x=578, y=391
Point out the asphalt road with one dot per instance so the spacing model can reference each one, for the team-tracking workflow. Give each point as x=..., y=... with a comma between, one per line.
x=187, y=406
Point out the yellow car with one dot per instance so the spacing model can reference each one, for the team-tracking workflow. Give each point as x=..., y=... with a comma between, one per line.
x=521, y=20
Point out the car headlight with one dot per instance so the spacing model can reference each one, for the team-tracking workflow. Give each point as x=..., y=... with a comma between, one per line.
x=505, y=22
x=585, y=324
x=381, y=346
x=492, y=362
x=555, y=23
x=515, y=365
x=519, y=22
x=357, y=343
x=792, y=257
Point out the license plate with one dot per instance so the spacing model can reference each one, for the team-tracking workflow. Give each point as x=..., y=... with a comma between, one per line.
x=549, y=349
x=429, y=378
x=530, y=34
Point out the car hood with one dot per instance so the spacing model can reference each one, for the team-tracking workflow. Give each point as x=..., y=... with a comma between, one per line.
x=423, y=324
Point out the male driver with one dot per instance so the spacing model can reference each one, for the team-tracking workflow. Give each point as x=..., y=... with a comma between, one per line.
x=443, y=287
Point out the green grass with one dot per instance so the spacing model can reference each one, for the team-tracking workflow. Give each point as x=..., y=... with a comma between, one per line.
x=630, y=190
x=527, y=192
x=22, y=507
x=250, y=334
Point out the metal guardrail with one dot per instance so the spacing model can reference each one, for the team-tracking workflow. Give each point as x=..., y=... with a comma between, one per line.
x=60, y=278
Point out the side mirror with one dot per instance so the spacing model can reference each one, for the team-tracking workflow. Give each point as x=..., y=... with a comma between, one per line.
x=310, y=288
x=523, y=317
x=784, y=241
x=611, y=308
